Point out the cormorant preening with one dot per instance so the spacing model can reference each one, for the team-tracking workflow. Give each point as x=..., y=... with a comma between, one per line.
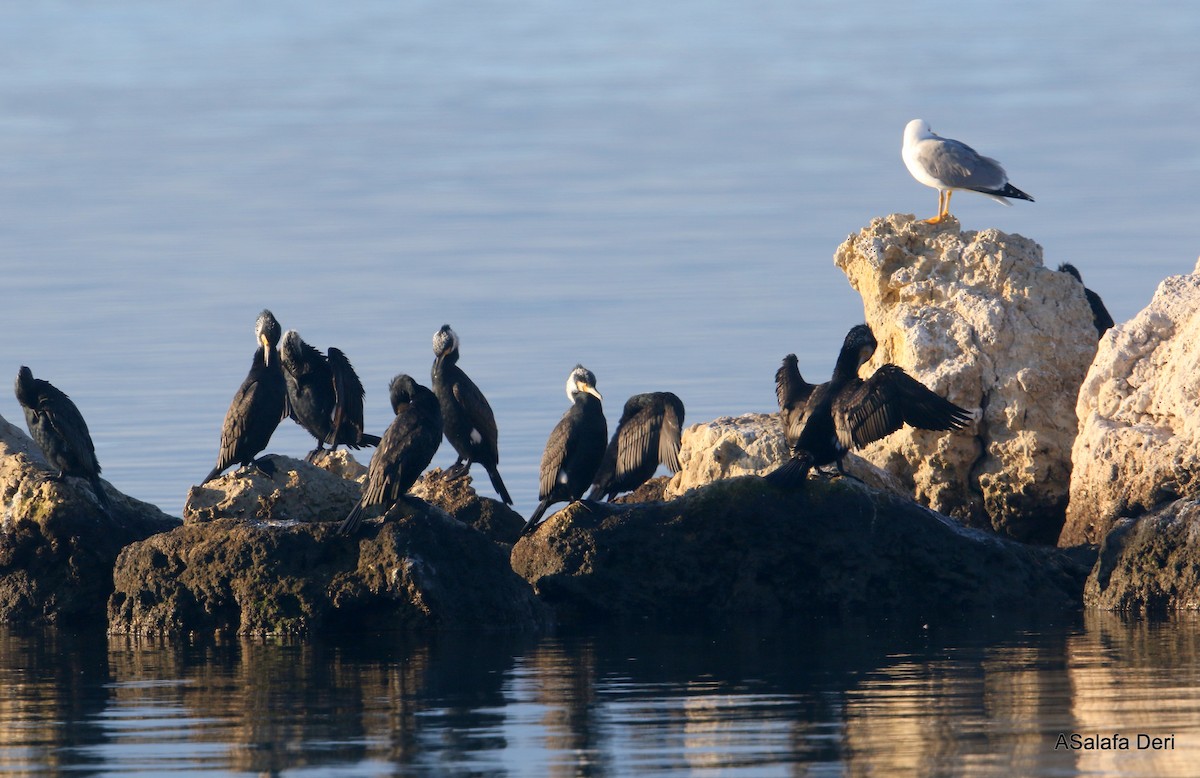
x=647, y=435
x=469, y=423
x=792, y=392
x=258, y=406
x=1100, y=315
x=848, y=412
x=324, y=394
x=404, y=451
x=575, y=447
x=58, y=428
x=949, y=165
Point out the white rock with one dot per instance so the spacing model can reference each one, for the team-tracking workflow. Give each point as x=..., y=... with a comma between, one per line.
x=1139, y=415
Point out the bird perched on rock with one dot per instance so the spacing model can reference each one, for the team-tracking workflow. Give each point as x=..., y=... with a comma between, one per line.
x=648, y=434
x=469, y=424
x=1101, y=318
x=849, y=412
x=258, y=406
x=325, y=395
x=58, y=428
x=948, y=166
x=405, y=450
x=575, y=447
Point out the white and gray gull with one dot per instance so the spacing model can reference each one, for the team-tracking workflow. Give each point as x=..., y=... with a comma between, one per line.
x=949, y=165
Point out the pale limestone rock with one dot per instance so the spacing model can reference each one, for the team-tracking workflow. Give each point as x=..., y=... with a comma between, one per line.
x=1139, y=415
x=978, y=319
x=750, y=444
x=297, y=491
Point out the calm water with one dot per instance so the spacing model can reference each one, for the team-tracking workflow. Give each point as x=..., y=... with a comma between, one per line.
x=652, y=189
x=823, y=700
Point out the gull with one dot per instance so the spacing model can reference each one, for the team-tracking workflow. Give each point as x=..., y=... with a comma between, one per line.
x=948, y=165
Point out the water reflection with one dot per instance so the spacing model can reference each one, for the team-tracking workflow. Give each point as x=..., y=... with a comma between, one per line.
x=840, y=699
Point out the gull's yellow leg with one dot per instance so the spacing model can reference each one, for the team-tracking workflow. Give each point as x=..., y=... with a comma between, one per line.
x=942, y=196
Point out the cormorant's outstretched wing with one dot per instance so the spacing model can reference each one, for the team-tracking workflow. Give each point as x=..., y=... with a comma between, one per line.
x=792, y=392
x=479, y=412
x=638, y=433
x=867, y=411
x=348, y=396
x=671, y=435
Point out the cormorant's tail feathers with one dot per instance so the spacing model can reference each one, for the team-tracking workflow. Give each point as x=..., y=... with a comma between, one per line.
x=498, y=484
x=791, y=474
x=536, y=517
x=352, y=520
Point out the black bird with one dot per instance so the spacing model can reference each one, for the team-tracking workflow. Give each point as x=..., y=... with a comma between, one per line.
x=258, y=406
x=1100, y=315
x=58, y=428
x=325, y=395
x=575, y=447
x=648, y=434
x=792, y=392
x=406, y=449
x=848, y=412
x=470, y=425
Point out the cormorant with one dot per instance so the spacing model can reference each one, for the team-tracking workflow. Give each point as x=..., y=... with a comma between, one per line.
x=405, y=450
x=1100, y=315
x=575, y=447
x=258, y=406
x=948, y=165
x=324, y=394
x=792, y=393
x=469, y=423
x=58, y=428
x=648, y=434
x=848, y=412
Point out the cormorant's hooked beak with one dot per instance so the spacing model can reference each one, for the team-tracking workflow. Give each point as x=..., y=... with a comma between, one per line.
x=266, y=344
x=584, y=386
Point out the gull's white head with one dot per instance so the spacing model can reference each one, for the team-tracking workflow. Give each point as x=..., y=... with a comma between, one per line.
x=917, y=129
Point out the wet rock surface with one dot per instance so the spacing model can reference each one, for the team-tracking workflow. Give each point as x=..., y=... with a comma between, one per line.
x=740, y=548
x=1150, y=565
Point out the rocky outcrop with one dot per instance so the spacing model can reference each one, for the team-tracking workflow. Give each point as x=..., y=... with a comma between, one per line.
x=750, y=444
x=1151, y=564
x=230, y=576
x=326, y=490
x=1139, y=416
x=739, y=548
x=259, y=555
x=979, y=319
x=57, y=546
x=295, y=491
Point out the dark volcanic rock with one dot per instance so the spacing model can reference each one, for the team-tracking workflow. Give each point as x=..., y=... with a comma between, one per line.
x=227, y=576
x=57, y=546
x=740, y=548
x=1151, y=564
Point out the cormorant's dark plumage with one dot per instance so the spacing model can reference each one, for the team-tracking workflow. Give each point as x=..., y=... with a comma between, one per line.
x=1101, y=318
x=575, y=447
x=58, y=428
x=469, y=423
x=325, y=394
x=647, y=435
x=404, y=451
x=258, y=406
x=792, y=393
x=848, y=412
